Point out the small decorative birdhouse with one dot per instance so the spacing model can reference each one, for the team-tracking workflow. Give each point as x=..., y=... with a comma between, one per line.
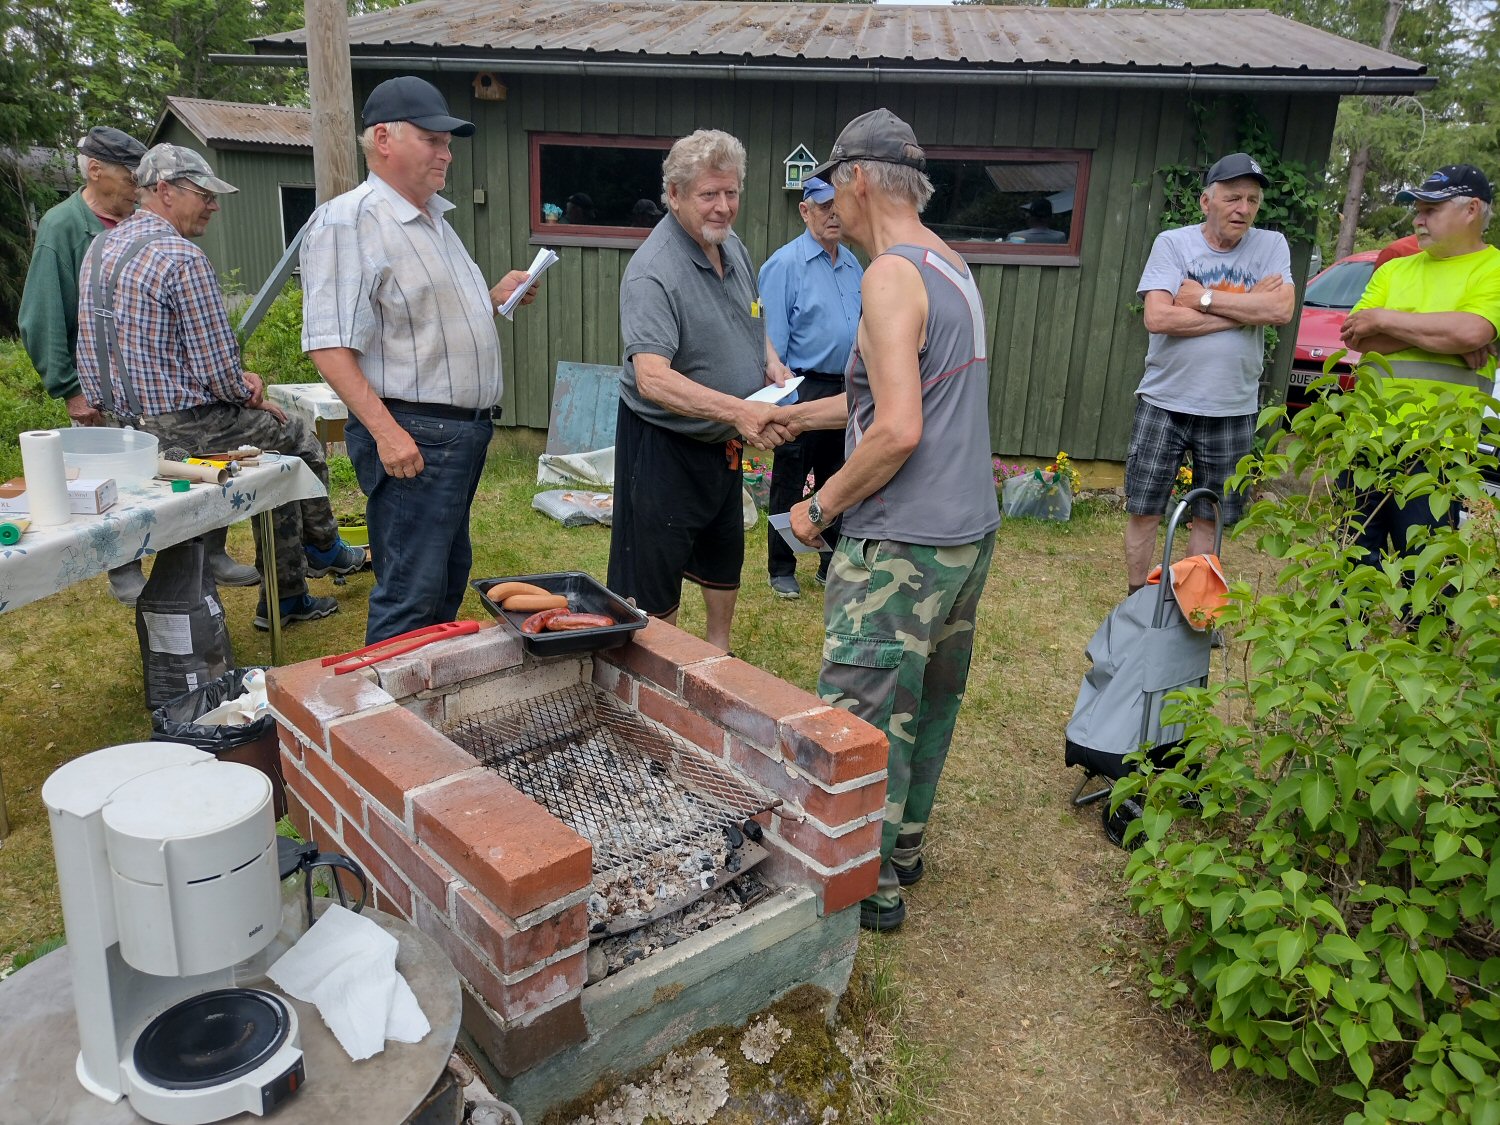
x=488, y=87
x=799, y=166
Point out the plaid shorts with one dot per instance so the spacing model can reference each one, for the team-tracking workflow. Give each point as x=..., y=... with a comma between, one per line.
x=1159, y=439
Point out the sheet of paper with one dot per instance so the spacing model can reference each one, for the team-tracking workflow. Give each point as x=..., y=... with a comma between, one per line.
x=544, y=261
x=781, y=396
x=782, y=522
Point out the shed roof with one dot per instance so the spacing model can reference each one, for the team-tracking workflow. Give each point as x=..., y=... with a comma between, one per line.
x=1243, y=41
x=241, y=125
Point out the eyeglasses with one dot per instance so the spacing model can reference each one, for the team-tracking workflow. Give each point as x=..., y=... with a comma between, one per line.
x=208, y=197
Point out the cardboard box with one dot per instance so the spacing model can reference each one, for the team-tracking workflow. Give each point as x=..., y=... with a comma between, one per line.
x=85, y=497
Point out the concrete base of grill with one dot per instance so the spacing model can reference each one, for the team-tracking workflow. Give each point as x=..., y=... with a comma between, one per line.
x=718, y=978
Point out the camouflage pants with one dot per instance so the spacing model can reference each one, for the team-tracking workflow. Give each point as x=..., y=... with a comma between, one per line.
x=899, y=622
x=221, y=426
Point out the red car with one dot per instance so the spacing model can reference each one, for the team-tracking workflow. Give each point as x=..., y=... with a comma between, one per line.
x=1325, y=305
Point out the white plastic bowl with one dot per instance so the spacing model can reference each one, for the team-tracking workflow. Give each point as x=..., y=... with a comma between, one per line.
x=97, y=452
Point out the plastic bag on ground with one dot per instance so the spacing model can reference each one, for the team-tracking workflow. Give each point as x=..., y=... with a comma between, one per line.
x=1037, y=495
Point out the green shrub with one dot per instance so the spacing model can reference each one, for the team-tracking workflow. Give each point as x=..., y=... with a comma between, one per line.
x=24, y=405
x=274, y=350
x=1334, y=909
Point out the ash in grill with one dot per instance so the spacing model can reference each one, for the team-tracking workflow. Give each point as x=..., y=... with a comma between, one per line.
x=668, y=823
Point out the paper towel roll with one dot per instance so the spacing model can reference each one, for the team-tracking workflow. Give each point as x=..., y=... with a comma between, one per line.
x=46, y=478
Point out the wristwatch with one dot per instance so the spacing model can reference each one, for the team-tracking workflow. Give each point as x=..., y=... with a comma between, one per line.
x=815, y=513
x=1206, y=301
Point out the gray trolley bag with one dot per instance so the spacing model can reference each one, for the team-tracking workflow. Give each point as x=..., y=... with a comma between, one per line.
x=1144, y=649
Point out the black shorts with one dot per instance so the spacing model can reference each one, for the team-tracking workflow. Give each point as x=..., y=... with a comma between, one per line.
x=678, y=514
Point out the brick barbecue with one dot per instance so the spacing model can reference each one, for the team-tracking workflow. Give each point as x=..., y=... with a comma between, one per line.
x=502, y=885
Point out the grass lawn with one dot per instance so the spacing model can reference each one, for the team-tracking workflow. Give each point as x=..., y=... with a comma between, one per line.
x=1014, y=992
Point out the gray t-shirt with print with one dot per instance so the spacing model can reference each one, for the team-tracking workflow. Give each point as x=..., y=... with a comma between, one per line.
x=1217, y=375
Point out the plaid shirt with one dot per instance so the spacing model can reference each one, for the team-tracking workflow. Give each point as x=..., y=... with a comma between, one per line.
x=171, y=326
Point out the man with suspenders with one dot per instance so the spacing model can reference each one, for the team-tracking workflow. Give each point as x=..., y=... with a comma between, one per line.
x=156, y=351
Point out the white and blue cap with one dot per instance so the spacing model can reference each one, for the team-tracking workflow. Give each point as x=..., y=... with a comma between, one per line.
x=1451, y=181
x=815, y=190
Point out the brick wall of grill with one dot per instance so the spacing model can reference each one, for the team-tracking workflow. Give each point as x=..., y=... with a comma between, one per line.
x=499, y=882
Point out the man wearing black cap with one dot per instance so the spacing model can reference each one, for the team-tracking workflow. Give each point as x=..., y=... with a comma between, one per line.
x=1434, y=316
x=1039, y=224
x=49, y=305
x=810, y=292
x=398, y=319
x=1210, y=290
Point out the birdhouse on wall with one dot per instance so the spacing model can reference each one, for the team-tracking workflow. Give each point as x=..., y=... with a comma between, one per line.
x=799, y=166
x=488, y=87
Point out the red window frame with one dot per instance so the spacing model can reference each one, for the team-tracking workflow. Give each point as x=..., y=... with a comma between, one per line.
x=558, y=234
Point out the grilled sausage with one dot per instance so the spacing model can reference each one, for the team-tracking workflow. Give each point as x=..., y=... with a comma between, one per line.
x=568, y=621
x=538, y=621
x=530, y=603
x=502, y=590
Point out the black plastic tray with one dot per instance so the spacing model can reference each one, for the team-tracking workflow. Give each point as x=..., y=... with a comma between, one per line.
x=585, y=595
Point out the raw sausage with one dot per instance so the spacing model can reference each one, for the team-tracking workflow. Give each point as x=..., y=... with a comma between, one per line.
x=537, y=621
x=567, y=621
x=502, y=590
x=530, y=603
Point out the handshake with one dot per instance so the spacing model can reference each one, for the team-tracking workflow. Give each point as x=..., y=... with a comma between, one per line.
x=766, y=425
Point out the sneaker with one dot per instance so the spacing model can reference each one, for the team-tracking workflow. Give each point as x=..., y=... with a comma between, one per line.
x=821, y=578
x=299, y=607
x=229, y=572
x=341, y=558
x=910, y=876
x=126, y=583
x=785, y=586
x=881, y=919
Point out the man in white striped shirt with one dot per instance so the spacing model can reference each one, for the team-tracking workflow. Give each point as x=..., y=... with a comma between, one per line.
x=398, y=319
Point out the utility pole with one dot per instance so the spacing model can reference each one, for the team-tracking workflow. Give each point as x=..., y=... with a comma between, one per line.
x=1359, y=160
x=331, y=88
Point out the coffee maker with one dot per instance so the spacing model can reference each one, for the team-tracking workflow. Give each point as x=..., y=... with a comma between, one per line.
x=167, y=868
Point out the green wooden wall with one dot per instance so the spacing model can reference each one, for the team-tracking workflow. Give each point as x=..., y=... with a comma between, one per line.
x=1066, y=343
x=244, y=240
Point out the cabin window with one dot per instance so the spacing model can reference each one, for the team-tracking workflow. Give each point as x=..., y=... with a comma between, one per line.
x=1009, y=205
x=595, y=190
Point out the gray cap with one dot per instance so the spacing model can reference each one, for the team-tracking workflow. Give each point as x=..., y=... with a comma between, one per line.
x=112, y=146
x=1236, y=166
x=877, y=135
x=173, y=162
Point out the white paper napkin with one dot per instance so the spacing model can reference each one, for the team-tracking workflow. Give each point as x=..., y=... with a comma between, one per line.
x=346, y=966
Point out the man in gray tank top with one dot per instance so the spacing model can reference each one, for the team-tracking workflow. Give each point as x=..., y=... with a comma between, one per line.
x=908, y=572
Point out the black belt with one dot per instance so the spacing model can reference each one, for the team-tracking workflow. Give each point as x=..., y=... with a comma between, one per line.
x=835, y=377
x=443, y=410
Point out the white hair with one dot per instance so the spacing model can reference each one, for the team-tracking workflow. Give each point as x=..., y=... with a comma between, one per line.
x=910, y=185
x=83, y=166
x=707, y=150
x=1486, y=210
x=367, y=138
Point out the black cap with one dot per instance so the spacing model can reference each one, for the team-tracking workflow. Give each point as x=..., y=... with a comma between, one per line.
x=112, y=146
x=877, y=135
x=413, y=99
x=1236, y=166
x=1451, y=181
x=581, y=199
x=1039, y=208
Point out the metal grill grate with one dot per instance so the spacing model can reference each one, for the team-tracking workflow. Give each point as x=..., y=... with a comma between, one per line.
x=632, y=790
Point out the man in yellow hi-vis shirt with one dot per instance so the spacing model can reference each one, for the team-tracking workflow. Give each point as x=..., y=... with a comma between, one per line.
x=1435, y=316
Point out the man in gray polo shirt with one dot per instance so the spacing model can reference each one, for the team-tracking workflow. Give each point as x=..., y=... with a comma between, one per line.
x=695, y=346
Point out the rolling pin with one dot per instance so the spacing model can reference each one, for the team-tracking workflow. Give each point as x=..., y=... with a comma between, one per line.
x=12, y=530
x=181, y=470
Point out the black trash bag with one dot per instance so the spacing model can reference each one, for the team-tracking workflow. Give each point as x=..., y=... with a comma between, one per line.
x=251, y=744
x=179, y=621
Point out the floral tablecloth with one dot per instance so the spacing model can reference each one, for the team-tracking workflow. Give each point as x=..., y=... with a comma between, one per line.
x=145, y=519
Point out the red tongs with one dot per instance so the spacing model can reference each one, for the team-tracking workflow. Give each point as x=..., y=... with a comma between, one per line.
x=398, y=645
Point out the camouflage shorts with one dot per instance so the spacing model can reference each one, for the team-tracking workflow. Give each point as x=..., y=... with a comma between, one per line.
x=899, y=633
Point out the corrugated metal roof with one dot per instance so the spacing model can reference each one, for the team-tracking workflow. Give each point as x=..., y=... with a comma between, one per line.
x=863, y=34
x=243, y=125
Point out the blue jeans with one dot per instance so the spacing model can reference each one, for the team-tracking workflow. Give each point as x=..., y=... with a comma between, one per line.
x=419, y=526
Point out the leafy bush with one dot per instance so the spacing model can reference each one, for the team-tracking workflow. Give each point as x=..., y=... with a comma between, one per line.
x=24, y=405
x=274, y=350
x=1334, y=908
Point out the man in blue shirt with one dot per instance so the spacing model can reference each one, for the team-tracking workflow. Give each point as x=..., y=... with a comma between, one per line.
x=809, y=290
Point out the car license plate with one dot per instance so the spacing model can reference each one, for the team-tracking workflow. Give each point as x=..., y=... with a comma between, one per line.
x=1303, y=377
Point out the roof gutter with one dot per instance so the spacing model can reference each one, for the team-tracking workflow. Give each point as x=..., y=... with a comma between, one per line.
x=877, y=76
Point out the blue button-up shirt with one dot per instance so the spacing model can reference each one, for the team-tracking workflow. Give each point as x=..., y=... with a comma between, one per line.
x=811, y=305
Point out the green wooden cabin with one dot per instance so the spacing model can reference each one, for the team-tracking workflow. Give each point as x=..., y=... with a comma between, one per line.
x=1079, y=106
x=266, y=152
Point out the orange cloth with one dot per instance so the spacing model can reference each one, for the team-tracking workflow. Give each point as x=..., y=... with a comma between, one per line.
x=1199, y=586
